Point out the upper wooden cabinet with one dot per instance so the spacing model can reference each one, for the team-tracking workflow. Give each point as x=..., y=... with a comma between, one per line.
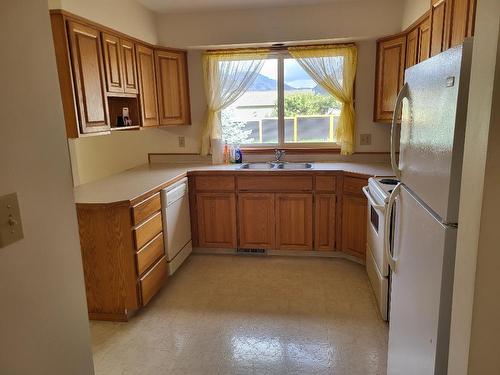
x=452, y=22
x=438, y=26
x=418, y=42
x=172, y=83
x=445, y=25
x=424, y=39
x=119, y=61
x=147, y=85
x=130, y=84
x=101, y=71
x=389, y=76
x=88, y=74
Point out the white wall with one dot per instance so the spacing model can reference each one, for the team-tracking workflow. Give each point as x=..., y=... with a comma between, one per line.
x=127, y=16
x=97, y=157
x=350, y=19
x=43, y=316
x=413, y=10
x=476, y=307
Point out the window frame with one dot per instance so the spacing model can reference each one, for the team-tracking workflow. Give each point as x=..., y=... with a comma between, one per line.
x=280, y=56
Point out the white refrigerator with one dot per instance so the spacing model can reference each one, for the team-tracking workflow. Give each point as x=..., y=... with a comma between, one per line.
x=433, y=103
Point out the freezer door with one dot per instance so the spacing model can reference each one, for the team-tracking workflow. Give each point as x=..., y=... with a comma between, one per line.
x=421, y=290
x=433, y=129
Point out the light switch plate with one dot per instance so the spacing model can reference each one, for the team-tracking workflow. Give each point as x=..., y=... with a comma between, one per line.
x=182, y=141
x=11, y=229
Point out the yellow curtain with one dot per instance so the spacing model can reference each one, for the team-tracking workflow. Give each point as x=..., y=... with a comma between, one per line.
x=227, y=75
x=334, y=68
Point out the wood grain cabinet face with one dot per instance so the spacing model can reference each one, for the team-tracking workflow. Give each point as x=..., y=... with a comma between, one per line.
x=438, y=26
x=461, y=14
x=294, y=221
x=424, y=40
x=354, y=225
x=147, y=85
x=216, y=213
x=412, y=48
x=173, y=91
x=113, y=62
x=256, y=220
x=88, y=72
x=130, y=84
x=324, y=222
x=389, y=76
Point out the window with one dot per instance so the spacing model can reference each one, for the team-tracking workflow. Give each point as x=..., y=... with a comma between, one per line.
x=283, y=107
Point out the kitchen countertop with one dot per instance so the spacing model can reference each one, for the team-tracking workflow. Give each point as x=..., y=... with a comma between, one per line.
x=133, y=183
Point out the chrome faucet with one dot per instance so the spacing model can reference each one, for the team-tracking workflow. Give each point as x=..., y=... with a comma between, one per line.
x=279, y=154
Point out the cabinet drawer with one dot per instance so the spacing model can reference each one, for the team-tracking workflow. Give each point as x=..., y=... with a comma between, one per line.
x=326, y=183
x=147, y=231
x=150, y=253
x=353, y=185
x=214, y=183
x=146, y=208
x=275, y=183
x=152, y=282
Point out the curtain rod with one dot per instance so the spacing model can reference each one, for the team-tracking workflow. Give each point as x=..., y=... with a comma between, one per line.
x=281, y=48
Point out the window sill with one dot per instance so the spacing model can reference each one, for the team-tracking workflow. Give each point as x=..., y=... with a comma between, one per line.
x=290, y=150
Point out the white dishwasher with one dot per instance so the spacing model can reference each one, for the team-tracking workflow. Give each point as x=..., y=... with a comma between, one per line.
x=176, y=224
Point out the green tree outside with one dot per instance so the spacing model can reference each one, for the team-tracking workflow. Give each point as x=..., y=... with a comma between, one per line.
x=309, y=103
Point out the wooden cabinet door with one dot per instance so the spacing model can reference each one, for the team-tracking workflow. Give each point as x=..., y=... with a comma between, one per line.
x=88, y=74
x=294, y=221
x=147, y=85
x=112, y=62
x=412, y=48
x=424, y=40
x=324, y=221
x=130, y=84
x=389, y=76
x=354, y=225
x=216, y=214
x=173, y=91
x=256, y=220
x=438, y=26
x=461, y=14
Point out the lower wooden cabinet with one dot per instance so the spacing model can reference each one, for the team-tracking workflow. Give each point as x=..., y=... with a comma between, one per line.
x=256, y=218
x=216, y=214
x=294, y=224
x=354, y=225
x=325, y=222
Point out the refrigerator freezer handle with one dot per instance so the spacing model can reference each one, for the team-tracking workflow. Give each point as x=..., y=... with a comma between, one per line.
x=391, y=258
x=397, y=110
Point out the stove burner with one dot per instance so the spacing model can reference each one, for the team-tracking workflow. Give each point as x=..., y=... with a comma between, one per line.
x=388, y=181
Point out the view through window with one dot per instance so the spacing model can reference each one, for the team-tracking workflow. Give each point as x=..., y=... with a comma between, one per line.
x=285, y=97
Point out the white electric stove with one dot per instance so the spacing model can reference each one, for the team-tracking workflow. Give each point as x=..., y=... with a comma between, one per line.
x=377, y=266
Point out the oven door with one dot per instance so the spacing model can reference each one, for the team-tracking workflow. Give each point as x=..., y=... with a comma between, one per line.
x=375, y=231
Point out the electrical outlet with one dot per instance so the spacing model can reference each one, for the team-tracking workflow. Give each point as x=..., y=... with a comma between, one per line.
x=365, y=139
x=182, y=141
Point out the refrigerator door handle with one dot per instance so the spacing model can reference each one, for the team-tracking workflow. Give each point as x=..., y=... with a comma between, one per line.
x=391, y=258
x=403, y=93
x=374, y=204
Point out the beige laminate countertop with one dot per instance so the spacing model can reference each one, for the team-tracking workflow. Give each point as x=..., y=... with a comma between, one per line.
x=131, y=184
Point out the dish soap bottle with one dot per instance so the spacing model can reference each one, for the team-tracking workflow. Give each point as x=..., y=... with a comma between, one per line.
x=237, y=155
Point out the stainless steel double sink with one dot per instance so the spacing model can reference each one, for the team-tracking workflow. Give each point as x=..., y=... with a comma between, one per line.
x=276, y=165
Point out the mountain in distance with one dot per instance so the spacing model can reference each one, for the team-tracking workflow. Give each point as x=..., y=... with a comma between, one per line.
x=263, y=83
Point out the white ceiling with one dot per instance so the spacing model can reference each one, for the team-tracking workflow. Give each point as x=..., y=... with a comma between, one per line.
x=181, y=6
